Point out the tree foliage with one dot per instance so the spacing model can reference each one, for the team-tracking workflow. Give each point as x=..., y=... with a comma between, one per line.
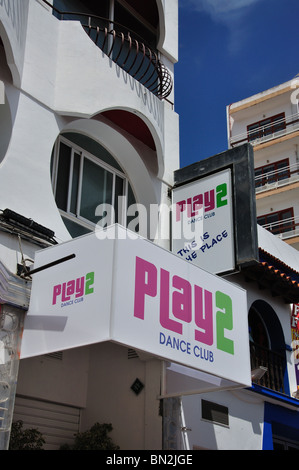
x=96, y=438
x=25, y=439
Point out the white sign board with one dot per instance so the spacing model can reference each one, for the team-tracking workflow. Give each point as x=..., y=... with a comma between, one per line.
x=130, y=291
x=202, y=223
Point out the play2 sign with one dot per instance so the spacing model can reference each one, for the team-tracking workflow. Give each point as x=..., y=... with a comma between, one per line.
x=130, y=291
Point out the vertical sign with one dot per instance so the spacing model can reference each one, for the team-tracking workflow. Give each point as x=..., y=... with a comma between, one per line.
x=202, y=223
x=295, y=339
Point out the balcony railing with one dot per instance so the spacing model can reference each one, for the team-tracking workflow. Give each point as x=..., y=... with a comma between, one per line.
x=284, y=229
x=277, y=178
x=126, y=48
x=264, y=133
x=274, y=362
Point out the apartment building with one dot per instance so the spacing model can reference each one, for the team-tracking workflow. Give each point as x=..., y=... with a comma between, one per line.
x=269, y=121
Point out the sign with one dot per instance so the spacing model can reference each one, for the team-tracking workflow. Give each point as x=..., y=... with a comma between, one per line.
x=128, y=290
x=236, y=169
x=295, y=339
x=203, y=224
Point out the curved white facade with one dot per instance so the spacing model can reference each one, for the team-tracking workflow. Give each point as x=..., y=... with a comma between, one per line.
x=56, y=80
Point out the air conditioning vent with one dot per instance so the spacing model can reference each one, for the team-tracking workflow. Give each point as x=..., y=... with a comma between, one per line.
x=58, y=355
x=132, y=354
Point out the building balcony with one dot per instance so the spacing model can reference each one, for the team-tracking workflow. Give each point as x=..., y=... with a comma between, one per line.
x=125, y=48
x=271, y=130
x=274, y=362
x=281, y=175
x=284, y=229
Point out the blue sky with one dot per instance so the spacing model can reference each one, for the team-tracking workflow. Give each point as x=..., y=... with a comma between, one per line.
x=228, y=50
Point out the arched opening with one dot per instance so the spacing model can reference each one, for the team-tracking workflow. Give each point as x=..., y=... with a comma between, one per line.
x=89, y=185
x=267, y=346
x=132, y=124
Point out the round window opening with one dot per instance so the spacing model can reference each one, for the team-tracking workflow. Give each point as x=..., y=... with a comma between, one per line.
x=89, y=186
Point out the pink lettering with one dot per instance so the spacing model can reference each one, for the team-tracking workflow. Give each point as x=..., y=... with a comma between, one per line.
x=209, y=200
x=70, y=288
x=79, y=286
x=145, y=284
x=180, y=207
x=56, y=293
x=197, y=203
x=176, y=301
x=182, y=300
x=64, y=297
x=165, y=321
x=203, y=316
x=76, y=287
x=190, y=212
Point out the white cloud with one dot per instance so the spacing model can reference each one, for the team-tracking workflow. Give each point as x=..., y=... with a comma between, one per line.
x=230, y=13
x=218, y=8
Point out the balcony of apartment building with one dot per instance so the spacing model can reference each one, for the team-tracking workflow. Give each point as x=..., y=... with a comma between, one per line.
x=127, y=32
x=279, y=176
x=283, y=223
x=271, y=180
x=267, y=129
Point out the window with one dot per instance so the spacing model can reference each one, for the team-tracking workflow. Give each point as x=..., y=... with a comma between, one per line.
x=272, y=172
x=267, y=346
x=266, y=127
x=85, y=175
x=213, y=412
x=278, y=222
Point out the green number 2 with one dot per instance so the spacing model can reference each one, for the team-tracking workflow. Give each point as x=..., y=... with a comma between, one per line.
x=224, y=321
x=89, y=283
x=221, y=191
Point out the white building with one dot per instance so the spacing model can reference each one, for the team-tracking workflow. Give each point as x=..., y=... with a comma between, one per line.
x=87, y=118
x=112, y=118
x=269, y=121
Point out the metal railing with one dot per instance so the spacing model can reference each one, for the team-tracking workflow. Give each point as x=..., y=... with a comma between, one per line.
x=267, y=132
x=276, y=178
x=274, y=362
x=127, y=49
x=284, y=229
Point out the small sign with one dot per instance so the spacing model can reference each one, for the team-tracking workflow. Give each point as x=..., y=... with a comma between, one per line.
x=203, y=224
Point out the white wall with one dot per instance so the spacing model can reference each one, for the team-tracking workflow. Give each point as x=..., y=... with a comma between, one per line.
x=13, y=25
x=66, y=81
x=245, y=429
x=98, y=380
